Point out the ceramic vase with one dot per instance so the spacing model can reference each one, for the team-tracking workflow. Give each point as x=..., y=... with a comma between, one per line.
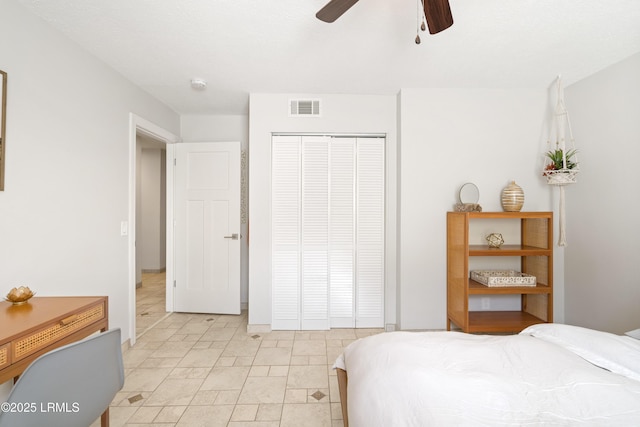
x=512, y=197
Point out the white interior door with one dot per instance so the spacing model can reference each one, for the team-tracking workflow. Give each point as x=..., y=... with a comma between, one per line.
x=207, y=227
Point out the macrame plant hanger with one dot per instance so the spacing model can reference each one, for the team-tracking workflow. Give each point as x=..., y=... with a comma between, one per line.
x=564, y=170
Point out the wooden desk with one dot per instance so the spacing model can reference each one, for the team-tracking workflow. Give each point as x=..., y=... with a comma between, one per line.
x=29, y=330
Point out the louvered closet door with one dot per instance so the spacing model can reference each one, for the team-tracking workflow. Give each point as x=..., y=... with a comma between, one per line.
x=315, y=232
x=370, y=233
x=327, y=232
x=285, y=232
x=342, y=233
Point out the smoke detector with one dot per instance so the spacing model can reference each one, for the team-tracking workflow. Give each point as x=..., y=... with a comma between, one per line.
x=198, y=84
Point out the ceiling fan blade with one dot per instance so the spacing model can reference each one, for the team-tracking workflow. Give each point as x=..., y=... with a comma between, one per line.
x=334, y=10
x=438, y=14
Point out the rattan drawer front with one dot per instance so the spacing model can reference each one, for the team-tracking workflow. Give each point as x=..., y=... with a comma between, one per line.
x=4, y=355
x=38, y=340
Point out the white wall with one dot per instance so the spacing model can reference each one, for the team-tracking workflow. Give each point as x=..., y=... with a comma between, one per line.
x=67, y=165
x=221, y=128
x=340, y=114
x=602, y=270
x=152, y=236
x=450, y=137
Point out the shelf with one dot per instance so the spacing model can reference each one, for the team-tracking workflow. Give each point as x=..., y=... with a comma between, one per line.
x=508, y=250
x=479, y=288
x=508, y=215
x=501, y=321
x=534, y=249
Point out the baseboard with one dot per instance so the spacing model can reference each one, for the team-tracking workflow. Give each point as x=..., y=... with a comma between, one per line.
x=244, y=306
x=154, y=270
x=390, y=327
x=139, y=285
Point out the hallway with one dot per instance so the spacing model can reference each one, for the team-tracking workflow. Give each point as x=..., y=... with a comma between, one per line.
x=150, y=301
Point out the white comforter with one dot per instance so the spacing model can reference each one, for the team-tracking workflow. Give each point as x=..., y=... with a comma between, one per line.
x=541, y=377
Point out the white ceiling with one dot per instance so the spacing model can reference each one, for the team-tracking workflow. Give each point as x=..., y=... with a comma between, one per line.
x=244, y=46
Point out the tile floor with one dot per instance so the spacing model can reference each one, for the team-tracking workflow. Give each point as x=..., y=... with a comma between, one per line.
x=206, y=370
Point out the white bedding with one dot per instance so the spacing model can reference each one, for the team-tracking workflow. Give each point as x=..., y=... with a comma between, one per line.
x=539, y=378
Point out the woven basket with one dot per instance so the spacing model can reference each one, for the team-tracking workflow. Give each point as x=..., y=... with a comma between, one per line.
x=502, y=278
x=561, y=177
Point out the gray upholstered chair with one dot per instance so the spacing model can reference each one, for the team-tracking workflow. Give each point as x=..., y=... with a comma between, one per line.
x=69, y=386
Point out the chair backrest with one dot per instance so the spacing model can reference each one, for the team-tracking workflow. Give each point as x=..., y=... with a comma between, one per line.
x=69, y=386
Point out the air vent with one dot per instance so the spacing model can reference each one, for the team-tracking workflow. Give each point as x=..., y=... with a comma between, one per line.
x=304, y=108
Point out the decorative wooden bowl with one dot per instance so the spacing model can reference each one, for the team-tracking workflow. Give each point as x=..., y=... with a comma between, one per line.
x=20, y=295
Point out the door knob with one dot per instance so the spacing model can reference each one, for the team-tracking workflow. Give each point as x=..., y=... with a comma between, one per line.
x=234, y=236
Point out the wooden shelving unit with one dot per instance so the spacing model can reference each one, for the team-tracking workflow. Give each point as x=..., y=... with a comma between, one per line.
x=536, y=258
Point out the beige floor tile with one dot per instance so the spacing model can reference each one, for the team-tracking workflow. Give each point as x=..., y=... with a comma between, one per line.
x=259, y=371
x=241, y=348
x=254, y=424
x=315, y=376
x=193, y=370
x=269, y=412
x=206, y=416
x=279, y=371
x=244, y=413
x=226, y=378
x=334, y=391
x=172, y=349
x=200, y=358
x=160, y=362
x=299, y=360
x=119, y=415
x=243, y=361
x=336, y=411
x=300, y=415
x=263, y=390
x=341, y=334
x=217, y=344
x=157, y=334
x=174, y=392
x=145, y=379
x=170, y=414
x=272, y=356
x=144, y=414
x=295, y=395
x=309, y=348
x=225, y=361
x=227, y=397
x=189, y=373
x=268, y=343
x=205, y=397
x=317, y=360
x=279, y=335
x=135, y=356
x=217, y=334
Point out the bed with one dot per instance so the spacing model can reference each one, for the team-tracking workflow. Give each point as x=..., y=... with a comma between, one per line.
x=549, y=374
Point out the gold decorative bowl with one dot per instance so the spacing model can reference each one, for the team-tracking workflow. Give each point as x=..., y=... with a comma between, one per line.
x=19, y=295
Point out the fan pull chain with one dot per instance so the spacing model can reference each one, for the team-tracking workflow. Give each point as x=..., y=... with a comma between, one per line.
x=420, y=17
x=418, y=24
x=418, y=27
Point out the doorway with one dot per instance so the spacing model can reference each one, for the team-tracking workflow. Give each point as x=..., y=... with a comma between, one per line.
x=150, y=226
x=158, y=137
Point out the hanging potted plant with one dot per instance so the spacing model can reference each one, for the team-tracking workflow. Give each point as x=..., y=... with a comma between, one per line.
x=562, y=167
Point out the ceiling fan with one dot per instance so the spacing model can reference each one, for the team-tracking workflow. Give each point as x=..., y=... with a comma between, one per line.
x=437, y=12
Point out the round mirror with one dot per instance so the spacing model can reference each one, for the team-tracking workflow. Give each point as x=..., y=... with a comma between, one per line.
x=469, y=193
